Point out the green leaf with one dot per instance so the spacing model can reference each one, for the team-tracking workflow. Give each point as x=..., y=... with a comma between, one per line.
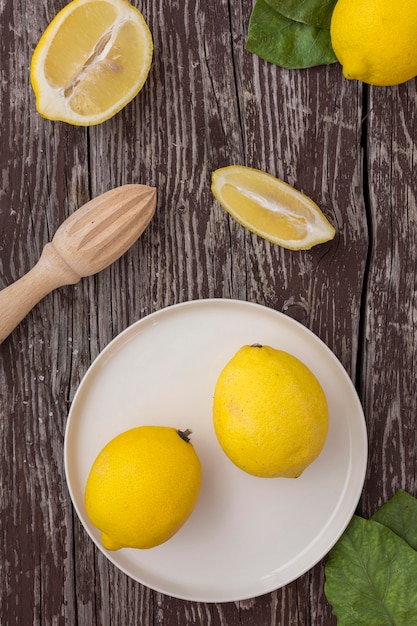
x=400, y=515
x=285, y=42
x=312, y=12
x=371, y=577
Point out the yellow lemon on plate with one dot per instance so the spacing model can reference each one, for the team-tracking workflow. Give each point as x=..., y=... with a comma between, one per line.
x=270, y=208
x=270, y=412
x=93, y=58
x=375, y=41
x=143, y=486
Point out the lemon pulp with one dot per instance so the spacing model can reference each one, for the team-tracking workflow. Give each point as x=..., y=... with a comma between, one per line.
x=92, y=59
x=270, y=207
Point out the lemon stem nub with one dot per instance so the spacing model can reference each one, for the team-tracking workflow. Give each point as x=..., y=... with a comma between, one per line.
x=184, y=434
x=256, y=345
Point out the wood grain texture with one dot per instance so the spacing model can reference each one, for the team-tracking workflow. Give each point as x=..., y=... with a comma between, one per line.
x=207, y=103
x=389, y=372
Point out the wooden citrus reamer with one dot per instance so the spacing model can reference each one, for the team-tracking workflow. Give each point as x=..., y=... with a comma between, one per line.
x=92, y=238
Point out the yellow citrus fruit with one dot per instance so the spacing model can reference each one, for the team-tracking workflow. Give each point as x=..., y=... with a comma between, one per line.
x=270, y=208
x=92, y=59
x=143, y=486
x=270, y=413
x=375, y=40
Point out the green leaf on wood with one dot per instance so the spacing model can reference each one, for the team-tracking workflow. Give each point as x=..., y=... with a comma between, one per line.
x=285, y=42
x=371, y=577
x=312, y=12
x=400, y=515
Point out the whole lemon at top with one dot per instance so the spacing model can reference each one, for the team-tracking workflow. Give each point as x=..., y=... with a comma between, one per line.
x=375, y=40
x=270, y=412
x=143, y=486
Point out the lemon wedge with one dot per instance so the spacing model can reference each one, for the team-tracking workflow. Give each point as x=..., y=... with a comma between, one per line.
x=270, y=208
x=93, y=58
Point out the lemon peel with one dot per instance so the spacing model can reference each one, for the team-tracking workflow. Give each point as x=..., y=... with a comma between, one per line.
x=270, y=412
x=374, y=41
x=143, y=486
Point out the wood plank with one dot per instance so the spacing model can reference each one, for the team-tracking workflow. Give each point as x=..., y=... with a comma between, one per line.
x=389, y=391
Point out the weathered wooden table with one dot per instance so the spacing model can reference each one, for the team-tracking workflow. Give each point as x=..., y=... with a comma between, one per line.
x=207, y=103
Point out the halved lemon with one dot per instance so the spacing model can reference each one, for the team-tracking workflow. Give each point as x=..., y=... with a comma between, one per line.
x=93, y=58
x=271, y=208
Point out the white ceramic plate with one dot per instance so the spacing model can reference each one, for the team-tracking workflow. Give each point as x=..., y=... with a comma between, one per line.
x=247, y=535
